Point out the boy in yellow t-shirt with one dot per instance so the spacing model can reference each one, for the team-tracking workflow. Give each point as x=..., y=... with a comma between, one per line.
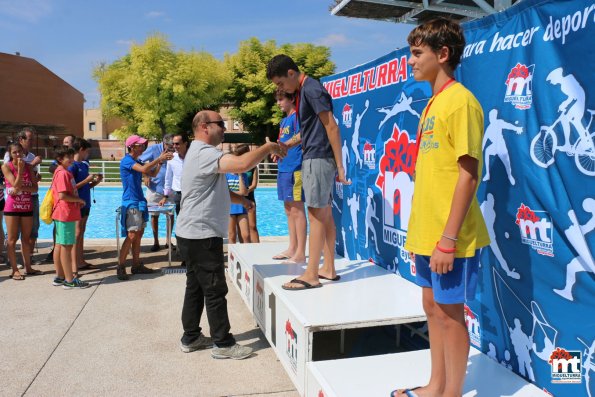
x=446, y=228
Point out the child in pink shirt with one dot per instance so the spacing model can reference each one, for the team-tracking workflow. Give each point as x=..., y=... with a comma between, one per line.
x=67, y=210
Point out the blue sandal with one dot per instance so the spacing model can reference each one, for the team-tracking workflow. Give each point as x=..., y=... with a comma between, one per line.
x=408, y=392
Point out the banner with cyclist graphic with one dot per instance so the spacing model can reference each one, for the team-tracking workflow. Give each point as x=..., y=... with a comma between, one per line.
x=531, y=68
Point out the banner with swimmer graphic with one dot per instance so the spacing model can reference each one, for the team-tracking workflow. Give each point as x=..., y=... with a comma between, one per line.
x=531, y=68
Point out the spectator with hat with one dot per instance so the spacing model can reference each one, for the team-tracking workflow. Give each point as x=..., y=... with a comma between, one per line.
x=134, y=210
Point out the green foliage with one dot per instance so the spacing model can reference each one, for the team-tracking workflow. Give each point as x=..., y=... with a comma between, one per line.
x=156, y=89
x=252, y=95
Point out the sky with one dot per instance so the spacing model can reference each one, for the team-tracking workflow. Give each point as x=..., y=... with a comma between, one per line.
x=71, y=37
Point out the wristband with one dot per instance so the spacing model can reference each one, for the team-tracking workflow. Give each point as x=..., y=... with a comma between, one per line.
x=450, y=238
x=445, y=250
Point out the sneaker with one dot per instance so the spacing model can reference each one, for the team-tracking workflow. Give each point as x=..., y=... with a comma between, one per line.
x=141, y=269
x=50, y=257
x=235, y=352
x=155, y=248
x=75, y=283
x=58, y=281
x=121, y=273
x=203, y=342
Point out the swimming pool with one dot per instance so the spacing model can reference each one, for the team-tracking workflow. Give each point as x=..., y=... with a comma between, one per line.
x=101, y=224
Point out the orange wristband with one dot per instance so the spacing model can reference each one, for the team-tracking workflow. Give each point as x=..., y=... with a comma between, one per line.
x=445, y=250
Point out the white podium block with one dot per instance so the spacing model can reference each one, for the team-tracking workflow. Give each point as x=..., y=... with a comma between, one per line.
x=379, y=375
x=240, y=264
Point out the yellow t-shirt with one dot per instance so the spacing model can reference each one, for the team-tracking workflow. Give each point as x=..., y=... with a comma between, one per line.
x=452, y=128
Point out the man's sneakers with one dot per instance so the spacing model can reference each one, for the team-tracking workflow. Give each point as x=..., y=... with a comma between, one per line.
x=75, y=284
x=202, y=342
x=58, y=281
x=235, y=352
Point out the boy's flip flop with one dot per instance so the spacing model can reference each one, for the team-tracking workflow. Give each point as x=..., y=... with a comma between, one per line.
x=407, y=392
x=280, y=257
x=336, y=278
x=305, y=285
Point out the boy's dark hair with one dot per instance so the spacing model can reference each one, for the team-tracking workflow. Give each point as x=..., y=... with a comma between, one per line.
x=279, y=94
x=437, y=33
x=242, y=149
x=63, y=151
x=279, y=65
x=80, y=143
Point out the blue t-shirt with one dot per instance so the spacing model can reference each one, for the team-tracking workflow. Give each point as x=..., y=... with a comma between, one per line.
x=157, y=182
x=132, y=182
x=80, y=170
x=288, y=129
x=314, y=99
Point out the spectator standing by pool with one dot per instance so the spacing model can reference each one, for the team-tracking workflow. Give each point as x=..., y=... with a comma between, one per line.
x=134, y=210
x=18, y=210
x=25, y=138
x=172, y=189
x=252, y=184
x=67, y=141
x=84, y=182
x=66, y=213
x=238, y=215
x=200, y=230
x=156, y=183
x=289, y=181
x=3, y=259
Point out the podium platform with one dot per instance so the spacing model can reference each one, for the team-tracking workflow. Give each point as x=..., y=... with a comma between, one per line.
x=366, y=296
x=379, y=375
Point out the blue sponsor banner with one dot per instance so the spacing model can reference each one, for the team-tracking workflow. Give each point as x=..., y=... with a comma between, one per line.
x=531, y=68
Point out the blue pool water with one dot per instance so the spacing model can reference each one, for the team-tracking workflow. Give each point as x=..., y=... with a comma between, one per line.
x=101, y=224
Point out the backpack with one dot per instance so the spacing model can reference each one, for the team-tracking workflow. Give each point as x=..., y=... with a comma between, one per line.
x=47, y=206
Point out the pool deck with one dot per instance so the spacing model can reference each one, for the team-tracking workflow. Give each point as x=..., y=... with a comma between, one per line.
x=121, y=338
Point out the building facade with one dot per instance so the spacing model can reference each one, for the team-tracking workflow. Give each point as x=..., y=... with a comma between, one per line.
x=31, y=95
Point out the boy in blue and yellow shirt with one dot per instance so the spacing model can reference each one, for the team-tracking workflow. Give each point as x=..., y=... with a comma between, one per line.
x=446, y=228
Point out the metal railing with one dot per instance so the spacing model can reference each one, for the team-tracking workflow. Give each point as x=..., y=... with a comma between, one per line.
x=111, y=170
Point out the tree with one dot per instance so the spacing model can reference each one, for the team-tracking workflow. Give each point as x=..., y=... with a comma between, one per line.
x=252, y=95
x=155, y=89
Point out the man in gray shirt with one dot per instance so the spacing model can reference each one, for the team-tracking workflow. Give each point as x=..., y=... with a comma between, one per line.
x=202, y=224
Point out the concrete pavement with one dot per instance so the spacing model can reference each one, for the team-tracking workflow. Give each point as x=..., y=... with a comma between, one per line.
x=121, y=338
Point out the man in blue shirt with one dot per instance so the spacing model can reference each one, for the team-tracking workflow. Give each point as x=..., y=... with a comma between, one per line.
x=134, y=210
x=156, y=183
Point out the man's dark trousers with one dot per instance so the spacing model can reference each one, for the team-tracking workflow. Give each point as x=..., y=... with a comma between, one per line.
x=205, y=286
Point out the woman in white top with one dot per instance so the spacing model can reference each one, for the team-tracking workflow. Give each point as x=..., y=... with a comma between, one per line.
x=172, y=189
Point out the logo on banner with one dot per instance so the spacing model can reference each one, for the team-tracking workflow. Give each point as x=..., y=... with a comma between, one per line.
x=291, y=350
x=259, y=299
x=566, y=366
x=536, y=231
x=395, y=181
x=370, y=155
x=519, y=86
x=247, y=280
x=347, y=115
x=473, y=327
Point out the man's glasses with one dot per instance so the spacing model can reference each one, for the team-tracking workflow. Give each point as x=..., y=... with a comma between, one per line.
x=220, y=123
